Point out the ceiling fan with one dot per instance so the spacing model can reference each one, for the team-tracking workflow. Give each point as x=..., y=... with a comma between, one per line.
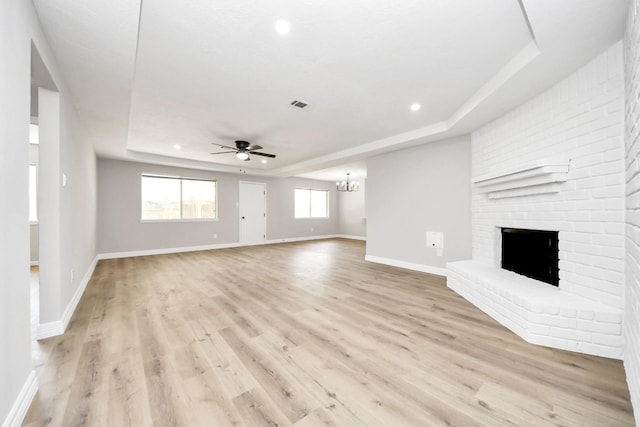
x=243, y=149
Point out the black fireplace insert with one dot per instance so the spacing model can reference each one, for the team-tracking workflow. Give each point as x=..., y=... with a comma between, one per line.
x=532, y=253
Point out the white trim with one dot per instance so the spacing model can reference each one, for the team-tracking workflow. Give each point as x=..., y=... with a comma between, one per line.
x=408, y=265
x=21, y=405
x=34, y=263
x=57, y=327
x=300, y=239
x=49, y=329
x=352, y=237
x=164, y=251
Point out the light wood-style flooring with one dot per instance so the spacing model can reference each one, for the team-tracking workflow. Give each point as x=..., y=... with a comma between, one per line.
x=304, y=334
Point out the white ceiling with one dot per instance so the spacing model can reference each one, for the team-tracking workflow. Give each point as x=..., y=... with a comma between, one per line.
x=148, y=75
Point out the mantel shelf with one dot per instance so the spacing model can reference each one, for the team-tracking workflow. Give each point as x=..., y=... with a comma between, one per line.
x=539, y=178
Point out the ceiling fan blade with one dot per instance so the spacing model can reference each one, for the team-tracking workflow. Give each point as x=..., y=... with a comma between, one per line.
x=224, y=152
x=254, y=147
x=224, y=146
x=257, y=153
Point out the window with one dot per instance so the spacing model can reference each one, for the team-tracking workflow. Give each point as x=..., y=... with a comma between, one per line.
x=33, y=193
x=311, y=203
x=172, y=198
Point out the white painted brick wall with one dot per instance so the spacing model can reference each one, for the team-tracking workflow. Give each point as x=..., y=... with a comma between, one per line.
x=579, y=120
x=632, y=150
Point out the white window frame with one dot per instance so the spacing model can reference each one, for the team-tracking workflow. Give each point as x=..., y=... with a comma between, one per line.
x=327, y=193
x=180, y=178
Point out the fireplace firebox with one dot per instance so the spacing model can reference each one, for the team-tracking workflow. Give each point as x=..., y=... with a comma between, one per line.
x=532, y=253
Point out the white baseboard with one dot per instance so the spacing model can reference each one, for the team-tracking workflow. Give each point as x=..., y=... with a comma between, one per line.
x=164, y=251
x=408, y=265
x=351, y=237
x=21, y=405
x=299, y=239
x=57, y=327
x=49, y=329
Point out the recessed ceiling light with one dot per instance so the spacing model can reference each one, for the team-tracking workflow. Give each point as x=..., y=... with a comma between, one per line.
x=263, y=161
x=283, y=27
x=415, y=107
x=177, y=146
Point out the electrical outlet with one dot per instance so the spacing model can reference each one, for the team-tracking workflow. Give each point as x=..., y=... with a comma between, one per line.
x=72, y=275
x=312, y=229
x=215, y=235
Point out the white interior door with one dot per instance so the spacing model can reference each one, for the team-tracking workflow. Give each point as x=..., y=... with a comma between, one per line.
x=253, y=212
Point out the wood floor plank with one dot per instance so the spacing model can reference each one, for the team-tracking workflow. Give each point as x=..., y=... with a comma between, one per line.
x=290, y=397
x=257, y=409
x=233, y=375
x=304, y=334
x=128, y=404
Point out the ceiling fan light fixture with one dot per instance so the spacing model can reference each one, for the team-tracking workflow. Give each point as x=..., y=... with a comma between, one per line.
x=242, y=155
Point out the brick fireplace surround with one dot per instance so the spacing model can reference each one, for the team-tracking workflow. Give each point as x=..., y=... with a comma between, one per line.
x=555, y=163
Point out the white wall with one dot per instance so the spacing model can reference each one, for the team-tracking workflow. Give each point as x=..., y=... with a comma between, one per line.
x=579, y=121
x=420, y=189
x=351, y=211
x=15, y=355
x=280, y=209
x=18, y=29
x=120, y=229
x=632, y=149
x=78, y=204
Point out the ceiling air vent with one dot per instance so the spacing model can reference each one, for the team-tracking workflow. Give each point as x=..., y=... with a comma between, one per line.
x=296, y=103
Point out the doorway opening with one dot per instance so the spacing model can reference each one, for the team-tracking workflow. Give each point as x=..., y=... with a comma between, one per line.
x=45, y=239
x=34, y=240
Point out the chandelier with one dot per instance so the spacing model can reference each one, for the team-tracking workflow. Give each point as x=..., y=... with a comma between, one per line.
x=348, y=185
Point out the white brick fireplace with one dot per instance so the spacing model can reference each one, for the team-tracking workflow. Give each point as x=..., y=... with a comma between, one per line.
x=555, y=163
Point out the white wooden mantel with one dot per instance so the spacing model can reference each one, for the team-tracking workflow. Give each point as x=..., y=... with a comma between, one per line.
x=541, y=177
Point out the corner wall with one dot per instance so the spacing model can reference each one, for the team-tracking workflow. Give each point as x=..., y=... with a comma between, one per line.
x=420, y=189
x=15, y=335
x=632, y=161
